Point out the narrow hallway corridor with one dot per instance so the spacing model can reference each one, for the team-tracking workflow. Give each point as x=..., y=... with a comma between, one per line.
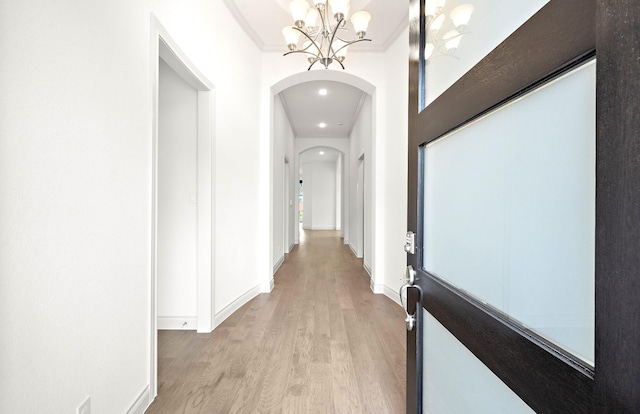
x=320, y=342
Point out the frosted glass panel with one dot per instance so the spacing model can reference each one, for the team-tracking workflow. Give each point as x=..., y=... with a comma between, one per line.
x=456, y=382
x=491, y=22
x=510, y=210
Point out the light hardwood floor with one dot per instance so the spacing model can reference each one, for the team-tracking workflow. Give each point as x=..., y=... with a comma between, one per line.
x=320, y=342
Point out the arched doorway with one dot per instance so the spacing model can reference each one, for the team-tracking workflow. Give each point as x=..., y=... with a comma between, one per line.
x=360, y=142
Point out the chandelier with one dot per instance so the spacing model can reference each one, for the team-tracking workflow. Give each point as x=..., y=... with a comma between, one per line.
x=437, y=43
x=322, y=42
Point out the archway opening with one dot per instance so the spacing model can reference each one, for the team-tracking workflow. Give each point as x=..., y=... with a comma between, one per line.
x=354, y=142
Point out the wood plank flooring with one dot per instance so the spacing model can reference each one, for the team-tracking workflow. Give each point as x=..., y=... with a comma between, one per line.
x=320, y=342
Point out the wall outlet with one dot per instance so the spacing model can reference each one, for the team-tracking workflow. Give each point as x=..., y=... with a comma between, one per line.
x=85, y=407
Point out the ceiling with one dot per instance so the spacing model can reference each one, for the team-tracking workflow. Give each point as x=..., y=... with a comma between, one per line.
x=317, y=154
x=306, y=108
x=263, y=21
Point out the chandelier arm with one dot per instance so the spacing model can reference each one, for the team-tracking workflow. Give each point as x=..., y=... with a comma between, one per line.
x=348, y=44
x=300, y=51
x=312, y=63
x=312, y=41
x=324, y=18
x=333, y=36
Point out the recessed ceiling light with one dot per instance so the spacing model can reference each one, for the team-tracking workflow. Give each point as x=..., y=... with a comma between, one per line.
x=322, y=91
x=321, y=153
x=322, y=125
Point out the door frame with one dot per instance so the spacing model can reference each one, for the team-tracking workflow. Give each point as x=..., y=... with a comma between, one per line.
x=360, y=203
x=286, y=211
x=544, y=376
x=165, y=48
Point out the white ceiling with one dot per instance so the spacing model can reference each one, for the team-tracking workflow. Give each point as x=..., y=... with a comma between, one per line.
x=317, y=154
x=263, y=21
x=306, y=108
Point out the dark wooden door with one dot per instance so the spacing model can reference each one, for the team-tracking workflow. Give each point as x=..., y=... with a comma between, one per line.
x=563, y=35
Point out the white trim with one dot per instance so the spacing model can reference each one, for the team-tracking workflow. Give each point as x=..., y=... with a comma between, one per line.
x=377, y=288
x=354, y=120
x=277, y=265
x=236, y=304
x=205, y=210
x=291, y=246
x=177, y=323
x=388, y=292
x=355, y=252
x=244, y=24
x=272, y=284
x=402, y=26
x=368, y=269
x=141, y=403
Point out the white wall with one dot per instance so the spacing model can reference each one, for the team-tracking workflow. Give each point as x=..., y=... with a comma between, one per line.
x=202, y=30
x=339, y=193
x=75, y=168
x=75, y=185
x=177, y=182
x=393, y=206
x=340, y=144
x=282, y=148
x=319, y=195
x=362, y=144
x=307, y=190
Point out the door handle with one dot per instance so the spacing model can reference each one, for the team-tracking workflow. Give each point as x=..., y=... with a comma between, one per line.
x=410, y=278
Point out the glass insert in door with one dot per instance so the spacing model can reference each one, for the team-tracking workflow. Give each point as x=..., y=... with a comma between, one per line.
x=510, y=210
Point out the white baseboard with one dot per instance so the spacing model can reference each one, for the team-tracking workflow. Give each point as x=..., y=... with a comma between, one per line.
x=141, y=403
x=291, y=246
x=368, y=269
x=277, y=265
x=272, y=284
x=355, y=252
x=267, y=287
x=391, y=294
x=177, y=323
x=378, y=289
x=235, y=305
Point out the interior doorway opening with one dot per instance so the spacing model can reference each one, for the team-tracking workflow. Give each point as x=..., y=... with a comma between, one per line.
x=300, y=201
x=360, y=197
x=320, y=191
x=196, y=108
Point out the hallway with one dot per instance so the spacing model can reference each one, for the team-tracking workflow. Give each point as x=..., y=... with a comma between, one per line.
x=321, y=341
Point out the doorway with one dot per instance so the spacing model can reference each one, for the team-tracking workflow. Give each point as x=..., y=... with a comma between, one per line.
x=196, y=109
x=176, y=201
x=360, y=209
x=288, y=205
